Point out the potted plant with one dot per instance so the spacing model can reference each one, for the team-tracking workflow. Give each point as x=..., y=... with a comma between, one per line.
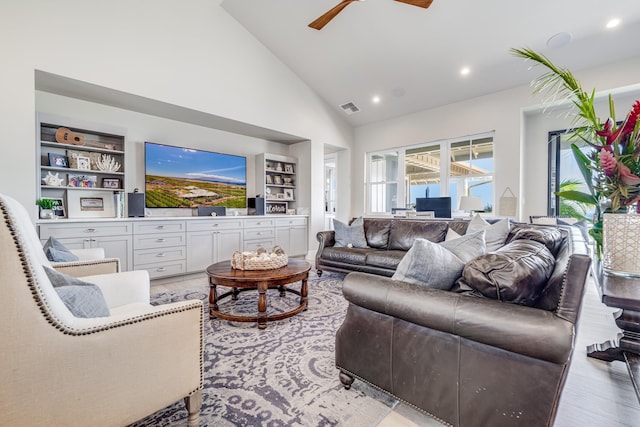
x=46, y=208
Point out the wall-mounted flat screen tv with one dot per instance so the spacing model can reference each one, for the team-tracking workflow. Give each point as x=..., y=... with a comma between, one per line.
x=177, y=177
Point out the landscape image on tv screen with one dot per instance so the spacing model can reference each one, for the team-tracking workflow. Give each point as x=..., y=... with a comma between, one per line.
x=178, y=177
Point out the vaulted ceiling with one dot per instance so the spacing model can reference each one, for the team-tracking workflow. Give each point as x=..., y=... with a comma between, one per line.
x=411, y=57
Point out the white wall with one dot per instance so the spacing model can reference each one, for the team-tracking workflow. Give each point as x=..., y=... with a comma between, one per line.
x=190, y=54
x=519, y=139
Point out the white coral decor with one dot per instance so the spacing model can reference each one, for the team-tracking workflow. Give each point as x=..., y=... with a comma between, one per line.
x=108, y=163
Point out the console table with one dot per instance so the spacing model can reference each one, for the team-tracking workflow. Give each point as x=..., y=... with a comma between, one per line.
x=623, y=293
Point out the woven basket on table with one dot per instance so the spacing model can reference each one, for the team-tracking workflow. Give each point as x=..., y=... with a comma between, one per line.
x=260, y=260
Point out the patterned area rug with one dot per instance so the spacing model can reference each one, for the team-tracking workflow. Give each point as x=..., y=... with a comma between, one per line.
x=284, y=375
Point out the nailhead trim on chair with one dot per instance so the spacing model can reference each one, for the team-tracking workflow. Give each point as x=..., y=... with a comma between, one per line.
x=41, y=301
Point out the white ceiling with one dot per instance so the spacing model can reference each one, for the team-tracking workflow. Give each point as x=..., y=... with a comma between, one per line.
x=411, y=57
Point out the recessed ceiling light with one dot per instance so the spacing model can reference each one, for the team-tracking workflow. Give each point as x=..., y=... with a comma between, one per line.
x=465, y=71
x=613, y=23
x=375, y=99
x=559, y=40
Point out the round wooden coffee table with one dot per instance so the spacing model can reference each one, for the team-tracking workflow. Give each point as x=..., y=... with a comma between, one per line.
x=222, y=274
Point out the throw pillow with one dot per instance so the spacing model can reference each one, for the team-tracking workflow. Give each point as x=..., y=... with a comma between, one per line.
x=517, y=273
x=429, y=264
x=544, y=220
x=57, y=252
x=350, y=235
x=496, y=233
x=81, y=298
x=451, y=235
x=466, y=247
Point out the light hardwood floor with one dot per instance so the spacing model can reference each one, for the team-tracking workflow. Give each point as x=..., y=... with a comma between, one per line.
x=595, y=394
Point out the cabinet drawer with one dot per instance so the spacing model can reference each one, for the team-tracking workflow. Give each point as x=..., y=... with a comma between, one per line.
x=158, y=226
x=212, y=225
x=258, y=234
x=84, y=229
x=157, y=270
x=258, y=222
x=253, y=245
x=159, y=240
x=290, y=222
x=146, y=256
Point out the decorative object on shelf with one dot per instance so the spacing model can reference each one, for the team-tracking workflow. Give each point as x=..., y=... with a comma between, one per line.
x=280, y=196
x=288, y=194
x=82, y=181
x=46, y=208
x=620, y=244
x=90, y=204
x=111, y=183
x=65, y=136
x=259, y=260
x=611, y=167
x=287, y=180
x=84, y=163
x=276, y=208
x=108, y=164
x=291, y=211
x=279, y=167
x=73, y=156
x=277, y=180
x=288, y=168
x=58, y=160
x=53, y=180
x=269, y=179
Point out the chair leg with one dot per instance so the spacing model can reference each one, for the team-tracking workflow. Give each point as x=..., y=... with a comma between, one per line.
x=193, y=404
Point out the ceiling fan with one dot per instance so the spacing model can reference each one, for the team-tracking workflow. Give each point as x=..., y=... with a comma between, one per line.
x=333, y=12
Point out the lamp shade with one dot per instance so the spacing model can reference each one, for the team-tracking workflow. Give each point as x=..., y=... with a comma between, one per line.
x=471, y=203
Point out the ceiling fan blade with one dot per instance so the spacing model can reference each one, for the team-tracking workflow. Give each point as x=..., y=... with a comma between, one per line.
x=324, y=19
x=420, y=3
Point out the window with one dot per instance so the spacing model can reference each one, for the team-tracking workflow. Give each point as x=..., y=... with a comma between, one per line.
x=455, y=167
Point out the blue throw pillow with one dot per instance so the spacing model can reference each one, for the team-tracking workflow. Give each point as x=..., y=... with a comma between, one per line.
x=57, y=252
x=351, y=236
x=81, y=298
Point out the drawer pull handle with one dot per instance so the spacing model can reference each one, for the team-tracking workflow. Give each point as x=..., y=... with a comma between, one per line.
x=161, y=255
x=215, y=225
x=90, y=230
x=160, y=240
x=160, y=269
x=160, y=227
x=259, y=233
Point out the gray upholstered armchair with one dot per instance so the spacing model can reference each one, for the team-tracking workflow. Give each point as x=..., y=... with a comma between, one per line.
x=60, y=370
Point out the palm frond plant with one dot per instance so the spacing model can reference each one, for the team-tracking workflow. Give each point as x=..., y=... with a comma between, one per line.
x=612, y=169
x=569, y=207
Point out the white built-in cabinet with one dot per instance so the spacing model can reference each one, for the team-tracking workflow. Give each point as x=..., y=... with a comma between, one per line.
x=170, y=247
x=276, y=177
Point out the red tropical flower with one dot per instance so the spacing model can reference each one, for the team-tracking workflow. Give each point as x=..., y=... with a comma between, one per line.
x=607, y=162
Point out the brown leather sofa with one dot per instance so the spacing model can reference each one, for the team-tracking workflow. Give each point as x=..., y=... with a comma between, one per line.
x=467, y=360
x=388, y=239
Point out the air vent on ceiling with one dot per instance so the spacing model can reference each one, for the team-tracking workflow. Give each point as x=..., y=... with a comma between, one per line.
x=350, y=108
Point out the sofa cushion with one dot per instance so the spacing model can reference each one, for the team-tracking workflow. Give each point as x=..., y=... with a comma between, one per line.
x=81, y=298
x=517, y=272
x=429, y=264
x=466, y=247
x=376, y=232
x=55, y=251
x=385, y=259
x=548, y=236
x=496, y=233
x=350, y=235
x=404, y=232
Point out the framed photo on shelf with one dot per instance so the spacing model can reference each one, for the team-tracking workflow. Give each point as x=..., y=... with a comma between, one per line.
x=58, y=207
x=111, y=183
x=84, y=163
x=288, y=194
x=280, y=196
x=277, y=180
x=82, y=181
x=269, y=179
x=58, y=160
x=288, y=168
x=90, y=204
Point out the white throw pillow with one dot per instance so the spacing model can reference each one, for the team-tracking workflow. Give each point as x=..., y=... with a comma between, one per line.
x=496, y=234
x=429, y=264
x=351, y=236
x=466, y=247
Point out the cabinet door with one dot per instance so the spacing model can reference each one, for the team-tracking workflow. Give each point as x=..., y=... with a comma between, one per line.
x=116, y=247
x=283, y=239
x=228, y=241
x=200, y=250
x=298, y=241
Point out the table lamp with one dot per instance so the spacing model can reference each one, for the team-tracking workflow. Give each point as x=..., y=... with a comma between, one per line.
x=471, y=204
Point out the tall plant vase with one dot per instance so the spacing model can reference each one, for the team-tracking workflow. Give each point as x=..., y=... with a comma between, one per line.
x=621, y=244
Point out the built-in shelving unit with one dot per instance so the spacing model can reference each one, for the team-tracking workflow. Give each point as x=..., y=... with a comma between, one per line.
x=276, y=176
x=81, y=167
